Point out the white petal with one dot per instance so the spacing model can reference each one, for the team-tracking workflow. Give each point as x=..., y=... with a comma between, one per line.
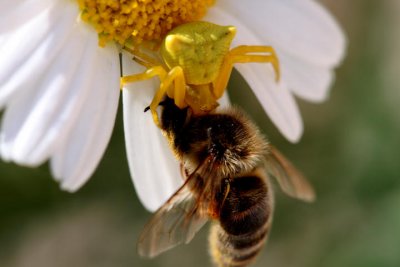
x=224, y=101
x=308, y=77
x=23, y=65
x=35, y=118
x=154, y=170
x=13, y=14
x=301, y=28
x=275, y=98
x=307, y=81
x=75, y=161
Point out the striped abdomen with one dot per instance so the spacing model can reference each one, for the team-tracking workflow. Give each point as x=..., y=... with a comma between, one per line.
x=244, y=222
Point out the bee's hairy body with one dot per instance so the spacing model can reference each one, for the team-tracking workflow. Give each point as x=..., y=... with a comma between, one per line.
x=226, y=164
x=233, y=141
x=242, y=207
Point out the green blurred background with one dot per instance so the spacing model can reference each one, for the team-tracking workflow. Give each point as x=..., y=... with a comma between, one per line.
x=350, y=152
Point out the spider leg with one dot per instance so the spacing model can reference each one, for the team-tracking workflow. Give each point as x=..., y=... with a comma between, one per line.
x=244, y=54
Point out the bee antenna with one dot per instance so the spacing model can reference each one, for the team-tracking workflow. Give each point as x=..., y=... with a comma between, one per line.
x=162, y=103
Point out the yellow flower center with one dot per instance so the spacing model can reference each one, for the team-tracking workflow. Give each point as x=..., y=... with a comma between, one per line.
x=138, y=20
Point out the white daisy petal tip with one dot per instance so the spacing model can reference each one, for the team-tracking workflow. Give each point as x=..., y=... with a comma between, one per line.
x=68, y=188
x=295, y=135
x=292, y=130
x=71, y=184
x=337, y=38
x=277, y=101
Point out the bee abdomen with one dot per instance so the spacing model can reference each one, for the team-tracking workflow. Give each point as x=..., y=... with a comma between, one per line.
x=244, y=222
x=236, y=251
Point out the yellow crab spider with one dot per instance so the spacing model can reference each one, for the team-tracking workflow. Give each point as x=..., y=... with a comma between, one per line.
x=197, y=65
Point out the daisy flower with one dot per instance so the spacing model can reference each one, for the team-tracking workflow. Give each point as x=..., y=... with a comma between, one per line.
x=59, y=78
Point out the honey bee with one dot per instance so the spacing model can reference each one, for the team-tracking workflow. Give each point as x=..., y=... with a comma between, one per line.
x=226, y=164
x=196, y=65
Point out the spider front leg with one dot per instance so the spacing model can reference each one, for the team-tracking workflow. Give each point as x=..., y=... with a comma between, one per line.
x=244, y=54
x=172, y=83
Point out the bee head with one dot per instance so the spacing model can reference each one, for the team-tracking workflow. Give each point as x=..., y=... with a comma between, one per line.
x=228, y=139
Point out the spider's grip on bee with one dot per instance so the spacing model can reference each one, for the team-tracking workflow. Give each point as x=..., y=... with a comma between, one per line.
x=196, y=65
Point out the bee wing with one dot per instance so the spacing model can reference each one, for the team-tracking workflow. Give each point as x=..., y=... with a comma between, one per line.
x=289, y=178
x=176, y=222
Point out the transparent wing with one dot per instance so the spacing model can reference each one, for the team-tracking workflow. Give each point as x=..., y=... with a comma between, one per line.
x=182, y=216
x=289, y=178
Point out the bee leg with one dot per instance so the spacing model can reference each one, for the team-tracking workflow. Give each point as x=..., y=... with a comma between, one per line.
x=245, y=54
x=162, y=103
x=227, y=188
